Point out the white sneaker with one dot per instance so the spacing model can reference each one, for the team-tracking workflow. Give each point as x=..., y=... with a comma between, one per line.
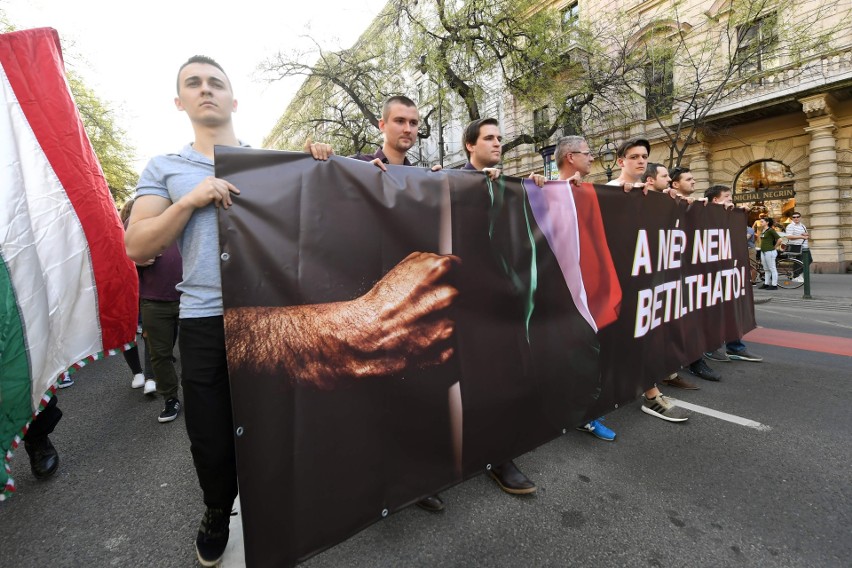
x=138, y=381
x=150, y=386
x=799, y=278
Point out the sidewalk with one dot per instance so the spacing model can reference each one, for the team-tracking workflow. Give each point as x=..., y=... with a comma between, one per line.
x=828, y=291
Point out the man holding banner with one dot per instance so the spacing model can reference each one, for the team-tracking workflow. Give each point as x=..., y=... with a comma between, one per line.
x=633, y=160
x=396, y=324
x=574, y=160
x=483, y=144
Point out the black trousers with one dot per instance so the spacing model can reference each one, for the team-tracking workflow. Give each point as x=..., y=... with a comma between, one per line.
x=45, y=422
x=207, y=408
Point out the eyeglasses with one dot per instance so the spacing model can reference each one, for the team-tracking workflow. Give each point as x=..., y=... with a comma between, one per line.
x=589, y=154
x=796, y=216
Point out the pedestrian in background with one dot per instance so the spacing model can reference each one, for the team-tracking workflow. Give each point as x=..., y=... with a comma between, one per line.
x=131, y=356
x=770, y=242
x=797, y=242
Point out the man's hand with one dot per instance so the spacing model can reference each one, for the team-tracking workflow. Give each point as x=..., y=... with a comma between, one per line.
x=645, y=187
x=379, y=164
x=538, y=179
x=672, y=193
x=211, y=190
x=319, y=150
x=492, y=173
x=401, y=323
x=437, y=168
x=576, y=179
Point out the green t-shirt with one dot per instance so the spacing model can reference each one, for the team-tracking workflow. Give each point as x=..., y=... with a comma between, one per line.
x=768, y=240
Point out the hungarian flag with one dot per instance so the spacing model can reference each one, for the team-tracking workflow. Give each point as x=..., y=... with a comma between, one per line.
x=68, y=292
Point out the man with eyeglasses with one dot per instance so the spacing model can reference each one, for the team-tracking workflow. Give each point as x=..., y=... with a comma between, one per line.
x=797, y=237
x=633, y=160
x=574, y=160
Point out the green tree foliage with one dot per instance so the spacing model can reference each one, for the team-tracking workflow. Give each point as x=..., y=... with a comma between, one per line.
x=108, y=139
x=462, y=54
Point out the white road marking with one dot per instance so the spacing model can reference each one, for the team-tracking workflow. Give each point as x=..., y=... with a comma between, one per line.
x=720, y=415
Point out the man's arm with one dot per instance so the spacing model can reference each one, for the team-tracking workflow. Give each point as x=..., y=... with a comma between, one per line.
x=155, y=222
x=400, y=323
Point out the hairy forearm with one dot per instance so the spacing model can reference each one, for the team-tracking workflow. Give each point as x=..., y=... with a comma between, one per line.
x=292, y=341
x=400, y=323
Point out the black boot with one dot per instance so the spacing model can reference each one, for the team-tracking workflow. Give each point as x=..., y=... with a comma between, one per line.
x=44, y=459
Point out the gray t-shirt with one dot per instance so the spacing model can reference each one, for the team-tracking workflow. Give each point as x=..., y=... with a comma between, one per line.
x=172, y=176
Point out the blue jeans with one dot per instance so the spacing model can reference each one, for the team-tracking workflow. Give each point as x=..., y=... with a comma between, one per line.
x=735, y=346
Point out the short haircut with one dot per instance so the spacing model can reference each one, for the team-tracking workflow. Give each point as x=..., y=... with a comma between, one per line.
x=126, y=209
x=394, y=100
x=566, y=145
x=770, y=221
x=199, y=59
x=471, y=132
x=715, y=191
x=676, y=173
x=795, y=213
x=632, y=143
x=651, y=170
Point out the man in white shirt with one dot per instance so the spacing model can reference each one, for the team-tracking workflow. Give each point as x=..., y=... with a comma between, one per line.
x=797, y=237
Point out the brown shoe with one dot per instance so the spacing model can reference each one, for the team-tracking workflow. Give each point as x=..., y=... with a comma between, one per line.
x=511, y=479
x=674, y=380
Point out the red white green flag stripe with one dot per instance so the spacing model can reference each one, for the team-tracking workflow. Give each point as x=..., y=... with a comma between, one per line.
x=68, y=292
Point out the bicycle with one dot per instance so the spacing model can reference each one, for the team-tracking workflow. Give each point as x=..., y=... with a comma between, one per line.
x=790, y=270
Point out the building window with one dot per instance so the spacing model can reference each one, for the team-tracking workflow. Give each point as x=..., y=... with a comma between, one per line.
x=659, y=88
x=570, y=16
x=755, y=44
x=541, y=122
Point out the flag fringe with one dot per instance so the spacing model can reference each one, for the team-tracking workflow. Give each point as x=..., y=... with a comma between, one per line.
x=45, y=399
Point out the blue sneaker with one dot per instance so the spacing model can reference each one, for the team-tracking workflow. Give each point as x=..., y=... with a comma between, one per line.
x=65, y=382
x=598, y=430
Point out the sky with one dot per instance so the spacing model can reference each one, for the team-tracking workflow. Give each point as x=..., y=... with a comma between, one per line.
x=129, y=53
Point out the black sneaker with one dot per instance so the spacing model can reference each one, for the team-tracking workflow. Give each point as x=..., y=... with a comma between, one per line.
x=703, y=370
x=213, y=536
x=717, y=355
x=171, y=411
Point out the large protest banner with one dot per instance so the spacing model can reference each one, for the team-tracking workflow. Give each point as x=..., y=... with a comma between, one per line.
x=563, y=303
x=68, y=292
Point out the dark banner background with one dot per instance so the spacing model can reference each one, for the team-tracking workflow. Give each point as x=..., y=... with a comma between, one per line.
x=316, y=466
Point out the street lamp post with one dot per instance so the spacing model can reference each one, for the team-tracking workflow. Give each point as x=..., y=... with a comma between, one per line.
x=440, y=110
x=607, y=157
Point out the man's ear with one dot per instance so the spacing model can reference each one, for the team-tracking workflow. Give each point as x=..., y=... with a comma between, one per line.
x=620, y=162
x=178, y=104
x=235, y=105
x=382, y=124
